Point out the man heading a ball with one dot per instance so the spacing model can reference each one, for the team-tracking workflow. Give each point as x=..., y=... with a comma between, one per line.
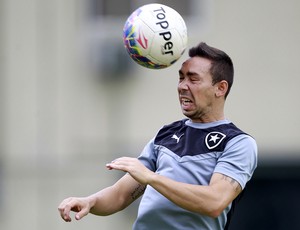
x=191, y=173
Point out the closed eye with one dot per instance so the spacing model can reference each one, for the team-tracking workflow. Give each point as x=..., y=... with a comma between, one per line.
x=193, y=77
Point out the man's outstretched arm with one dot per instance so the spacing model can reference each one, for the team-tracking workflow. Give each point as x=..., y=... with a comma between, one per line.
x=105, y=202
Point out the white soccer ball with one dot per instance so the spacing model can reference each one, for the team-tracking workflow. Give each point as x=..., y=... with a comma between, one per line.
x=155, y=36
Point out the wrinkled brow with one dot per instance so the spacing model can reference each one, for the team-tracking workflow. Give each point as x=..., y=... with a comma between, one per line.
x=189, y=73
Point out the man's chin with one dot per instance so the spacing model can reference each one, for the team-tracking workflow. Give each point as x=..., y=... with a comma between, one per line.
x=187, y=113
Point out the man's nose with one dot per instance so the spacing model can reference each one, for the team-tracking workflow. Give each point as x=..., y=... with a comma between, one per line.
x=183, y=84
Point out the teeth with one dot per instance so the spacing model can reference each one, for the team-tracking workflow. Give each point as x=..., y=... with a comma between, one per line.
x=186, y=101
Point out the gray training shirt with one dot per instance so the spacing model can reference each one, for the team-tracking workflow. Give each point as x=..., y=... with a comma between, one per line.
x=190, y=153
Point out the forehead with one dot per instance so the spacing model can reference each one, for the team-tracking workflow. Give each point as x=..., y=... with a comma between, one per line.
x=196, y=65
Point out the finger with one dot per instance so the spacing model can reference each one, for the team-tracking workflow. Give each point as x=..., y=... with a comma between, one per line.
x=82, y=213
x=65, y=215
x=113, y=164
x=65, y=208
x=62, y=210
x=108, y=166
x=117, y=165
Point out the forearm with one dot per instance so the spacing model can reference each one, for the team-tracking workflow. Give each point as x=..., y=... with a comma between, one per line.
x=195, y=198
x=208, y=200
x=184, y=195
x=115, y=198
x=105, y=202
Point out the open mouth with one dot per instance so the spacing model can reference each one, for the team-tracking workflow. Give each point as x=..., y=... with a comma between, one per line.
x=186, y=101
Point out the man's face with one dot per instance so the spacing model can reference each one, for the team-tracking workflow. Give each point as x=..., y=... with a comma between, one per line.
x=195, y=89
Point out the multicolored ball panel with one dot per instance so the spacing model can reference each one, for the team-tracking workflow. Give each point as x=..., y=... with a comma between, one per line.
x=131, y=32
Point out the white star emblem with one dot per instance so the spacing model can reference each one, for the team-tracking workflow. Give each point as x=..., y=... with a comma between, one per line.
x=214, y=138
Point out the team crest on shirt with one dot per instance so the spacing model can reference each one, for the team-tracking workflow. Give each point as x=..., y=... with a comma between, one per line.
x=213, y=139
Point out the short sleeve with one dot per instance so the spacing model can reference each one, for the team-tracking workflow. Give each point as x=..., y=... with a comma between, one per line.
x=148, y=156
x=239, y=159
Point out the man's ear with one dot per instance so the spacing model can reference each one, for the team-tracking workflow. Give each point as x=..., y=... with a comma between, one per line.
x=221, y=88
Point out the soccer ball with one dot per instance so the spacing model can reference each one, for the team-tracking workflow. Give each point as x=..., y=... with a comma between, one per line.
x=155, y=36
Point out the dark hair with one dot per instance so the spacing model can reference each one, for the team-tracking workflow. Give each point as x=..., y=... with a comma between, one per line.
x=222, y=66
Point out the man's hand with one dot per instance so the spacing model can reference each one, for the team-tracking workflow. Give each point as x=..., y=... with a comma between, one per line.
x=134, y=167
x=75, y=204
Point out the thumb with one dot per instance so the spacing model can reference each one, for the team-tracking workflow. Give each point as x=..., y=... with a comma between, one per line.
x=81, y=214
